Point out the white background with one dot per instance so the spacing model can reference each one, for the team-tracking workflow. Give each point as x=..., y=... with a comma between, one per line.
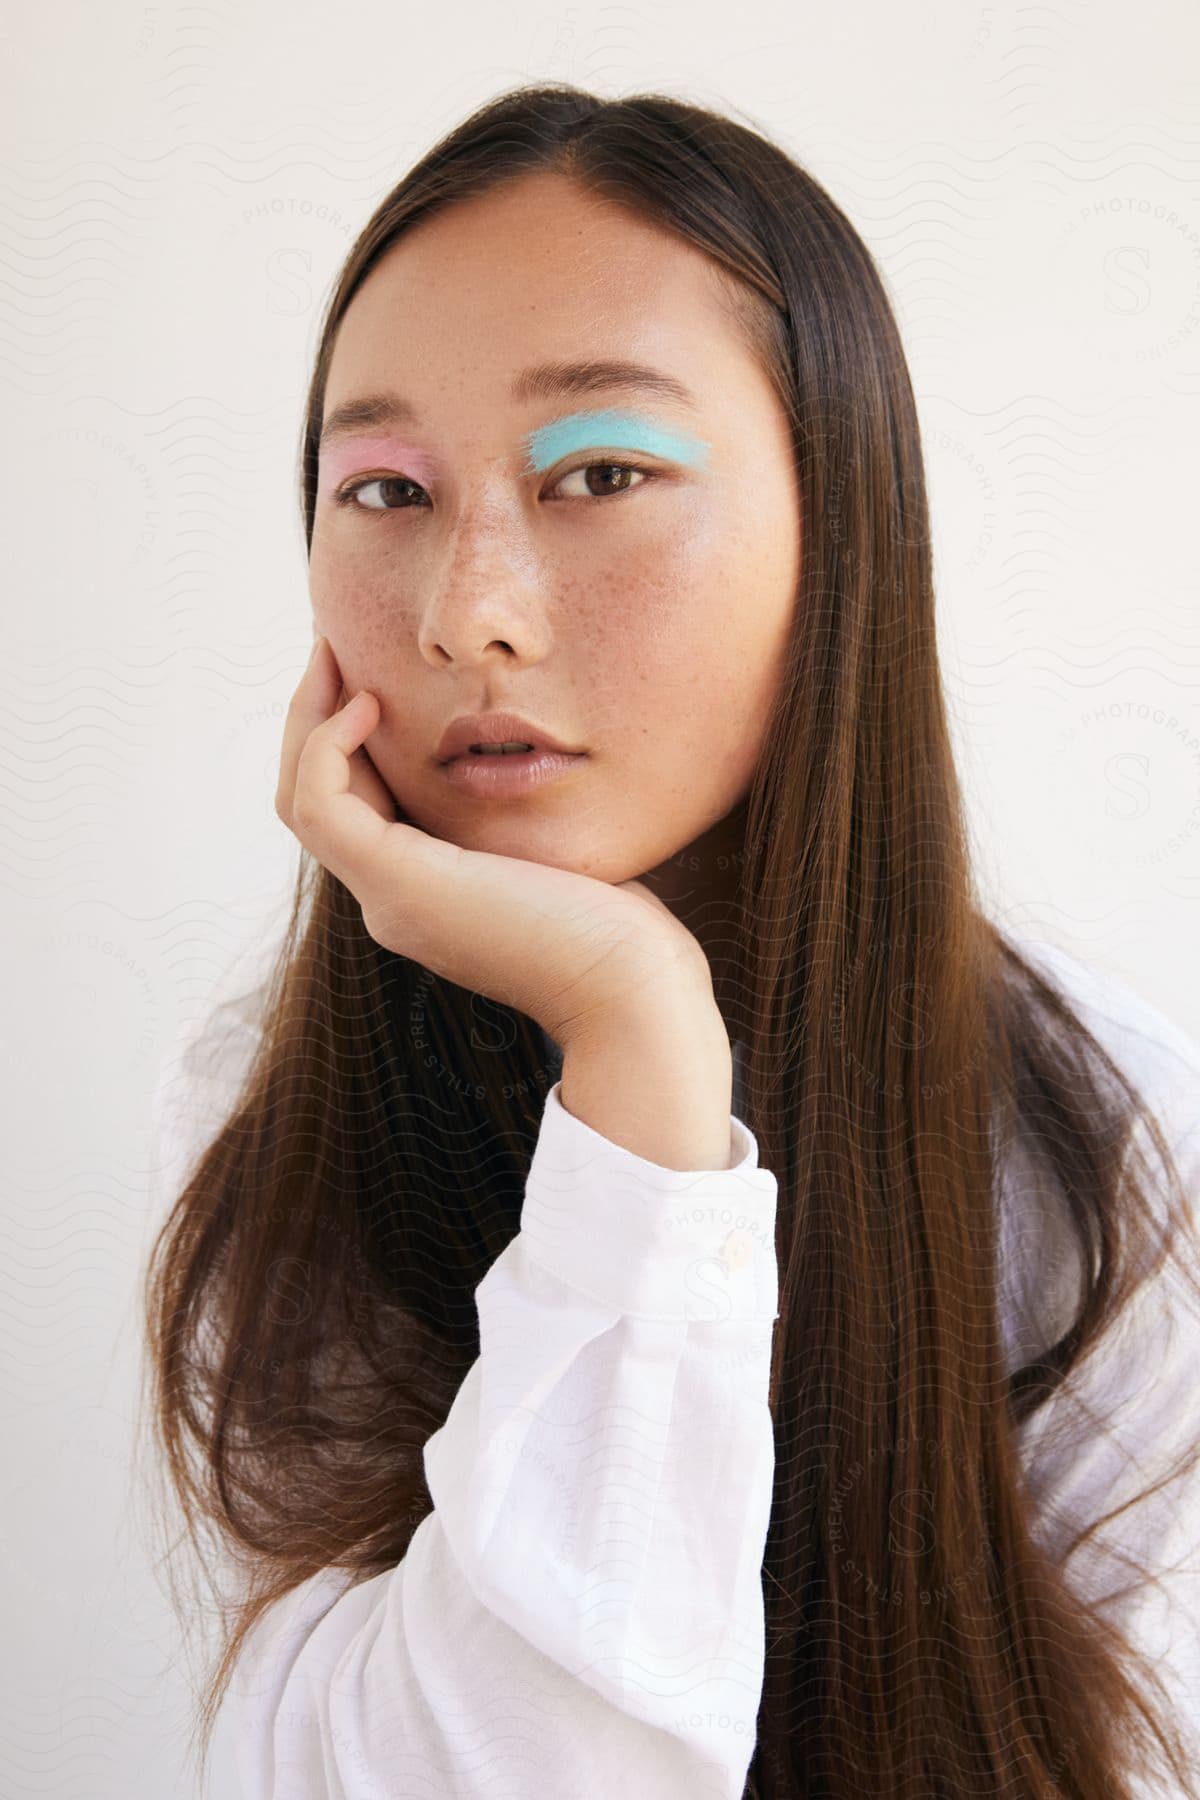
x=181, y=186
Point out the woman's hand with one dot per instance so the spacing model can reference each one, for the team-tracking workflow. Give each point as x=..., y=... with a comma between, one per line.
x=571, y=952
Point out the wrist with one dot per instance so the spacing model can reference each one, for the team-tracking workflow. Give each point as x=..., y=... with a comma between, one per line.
x=655, y=1078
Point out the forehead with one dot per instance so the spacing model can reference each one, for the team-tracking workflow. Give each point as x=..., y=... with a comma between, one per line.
x=538, y=271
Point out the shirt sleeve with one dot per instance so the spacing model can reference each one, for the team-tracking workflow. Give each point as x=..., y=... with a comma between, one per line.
x=1132, y=1409
x=582, y=1612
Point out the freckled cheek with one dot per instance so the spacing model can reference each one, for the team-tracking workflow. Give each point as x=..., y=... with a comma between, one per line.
x=354, y=604
x=662, y=595
x=654, y=642
x=683, y=601
x=708, y=635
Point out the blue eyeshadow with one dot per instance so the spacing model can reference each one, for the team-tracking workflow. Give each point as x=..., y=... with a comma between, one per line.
x=609, y=429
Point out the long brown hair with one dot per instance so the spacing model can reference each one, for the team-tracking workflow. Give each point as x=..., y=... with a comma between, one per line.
x=309, y=1300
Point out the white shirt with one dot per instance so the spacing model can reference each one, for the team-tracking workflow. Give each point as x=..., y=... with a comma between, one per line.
x=581, y=1615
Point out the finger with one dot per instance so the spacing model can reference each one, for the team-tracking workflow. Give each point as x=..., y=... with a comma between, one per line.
x=365, y=779
x=341, y=828
x=369, y=785
x=312, y=702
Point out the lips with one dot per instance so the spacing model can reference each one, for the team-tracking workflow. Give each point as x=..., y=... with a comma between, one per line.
x=496, y=728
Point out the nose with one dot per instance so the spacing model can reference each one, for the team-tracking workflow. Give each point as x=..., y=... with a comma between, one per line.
x=486, y=605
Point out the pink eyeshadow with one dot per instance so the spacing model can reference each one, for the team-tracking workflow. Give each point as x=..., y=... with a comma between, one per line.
x=368, y=456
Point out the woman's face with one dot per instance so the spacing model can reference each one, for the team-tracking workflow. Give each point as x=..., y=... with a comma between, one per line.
x=499, y=562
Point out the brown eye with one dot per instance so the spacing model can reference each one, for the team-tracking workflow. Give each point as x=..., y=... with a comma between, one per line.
x=395, y=492
x=350, y=496
x=610, y=479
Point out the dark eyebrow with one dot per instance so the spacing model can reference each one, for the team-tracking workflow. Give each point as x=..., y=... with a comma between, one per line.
x=545, y=381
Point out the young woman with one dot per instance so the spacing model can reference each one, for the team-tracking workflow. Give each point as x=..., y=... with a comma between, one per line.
x=678, y=1302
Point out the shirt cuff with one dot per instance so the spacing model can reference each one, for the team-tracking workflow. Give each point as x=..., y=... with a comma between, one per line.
x=652, y=1242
